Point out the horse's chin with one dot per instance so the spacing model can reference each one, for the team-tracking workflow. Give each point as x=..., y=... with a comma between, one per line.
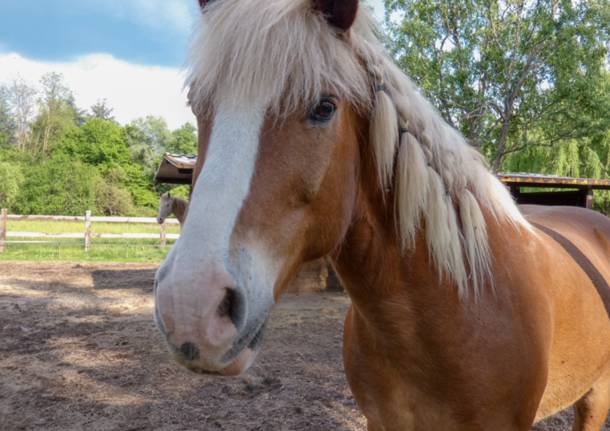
x=237, y=366
x=232, y=362
x=240, y=364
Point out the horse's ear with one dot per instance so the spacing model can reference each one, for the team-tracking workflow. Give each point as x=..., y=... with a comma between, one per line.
x=339, y=13
x=203, y=3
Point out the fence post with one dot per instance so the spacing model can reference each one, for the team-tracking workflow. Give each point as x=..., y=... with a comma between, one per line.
x=589, y=198
x=87, y=230
x=163, y=236
x=3, y=228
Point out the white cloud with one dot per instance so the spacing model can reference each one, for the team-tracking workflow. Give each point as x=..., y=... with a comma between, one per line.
x=131, y=90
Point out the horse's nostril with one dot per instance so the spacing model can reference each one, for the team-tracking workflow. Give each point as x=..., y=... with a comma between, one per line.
x=226, y=305
x=232, y=306
x=189, y=351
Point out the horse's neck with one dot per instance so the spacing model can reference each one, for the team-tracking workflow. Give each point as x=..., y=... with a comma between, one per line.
x=394, y=289
x=384, y=283
x=179, y=207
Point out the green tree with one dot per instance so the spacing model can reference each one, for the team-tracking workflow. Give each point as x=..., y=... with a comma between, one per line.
x=140, y=184
x=11, y=179
x=7, y=123
x=156, y=133
x=103, y=144
x=58, y=185
x=183, y=140
x=112, y=200
x=57, y=113
x=22, y=103
x=576, y=157
x=102, y=111
x=97, y=142
x=500, y=70
x=141, y=152
x=148, y=139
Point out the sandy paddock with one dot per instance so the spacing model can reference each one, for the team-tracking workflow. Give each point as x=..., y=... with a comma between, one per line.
x=79, y=351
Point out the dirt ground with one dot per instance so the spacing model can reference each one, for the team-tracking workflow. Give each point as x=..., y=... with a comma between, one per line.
x=79, y=350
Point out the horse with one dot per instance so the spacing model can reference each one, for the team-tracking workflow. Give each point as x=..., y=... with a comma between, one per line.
x=169, y=204
x=467, y=312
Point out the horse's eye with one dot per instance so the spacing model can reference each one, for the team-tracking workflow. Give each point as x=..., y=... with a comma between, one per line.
x=323, y=111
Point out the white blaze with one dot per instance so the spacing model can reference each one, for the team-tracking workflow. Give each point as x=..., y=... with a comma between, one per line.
x=193, y=277
x=222, y=186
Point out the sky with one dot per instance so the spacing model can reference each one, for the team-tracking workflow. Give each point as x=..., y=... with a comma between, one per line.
x=130, y=52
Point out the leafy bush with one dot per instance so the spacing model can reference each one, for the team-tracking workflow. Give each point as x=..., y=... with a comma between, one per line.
x=58, y=185
x=111, y=200
x=11, y=179
x=97, y=142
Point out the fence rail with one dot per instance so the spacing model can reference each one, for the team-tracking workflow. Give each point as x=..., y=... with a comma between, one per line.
x=17, y=234
x=86, y=234
x=94, y=219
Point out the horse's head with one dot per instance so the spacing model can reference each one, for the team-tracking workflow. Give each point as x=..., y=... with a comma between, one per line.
x=165, y=207
x=281, y=95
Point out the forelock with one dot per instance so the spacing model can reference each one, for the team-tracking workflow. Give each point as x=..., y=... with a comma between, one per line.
x=282, y=52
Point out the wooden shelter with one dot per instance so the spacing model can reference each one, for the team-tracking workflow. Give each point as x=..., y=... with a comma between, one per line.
x=176, y=169
x=570, y=191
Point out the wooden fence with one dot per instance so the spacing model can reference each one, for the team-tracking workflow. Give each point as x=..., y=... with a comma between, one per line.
x=87, y=234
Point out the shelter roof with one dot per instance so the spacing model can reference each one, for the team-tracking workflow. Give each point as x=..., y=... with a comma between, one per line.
x=176, y=169
x=552, y=181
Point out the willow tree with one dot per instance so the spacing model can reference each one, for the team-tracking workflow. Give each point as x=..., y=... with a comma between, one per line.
x=510, y=74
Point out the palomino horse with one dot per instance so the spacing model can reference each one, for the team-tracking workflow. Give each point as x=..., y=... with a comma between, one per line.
x=169, y=204
x=465, y=314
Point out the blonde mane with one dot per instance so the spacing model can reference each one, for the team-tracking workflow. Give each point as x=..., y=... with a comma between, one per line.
x=285, y=53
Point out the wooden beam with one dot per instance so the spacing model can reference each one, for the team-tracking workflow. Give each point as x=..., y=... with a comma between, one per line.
x=81, y=235
x=135, y=220
x=87, y=230
x=589, y=198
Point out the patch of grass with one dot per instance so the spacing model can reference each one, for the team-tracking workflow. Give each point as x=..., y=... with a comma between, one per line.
x=54, y=227
x=100, y=251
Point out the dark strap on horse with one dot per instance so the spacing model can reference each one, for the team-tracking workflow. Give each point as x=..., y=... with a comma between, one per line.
x=583, y=261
